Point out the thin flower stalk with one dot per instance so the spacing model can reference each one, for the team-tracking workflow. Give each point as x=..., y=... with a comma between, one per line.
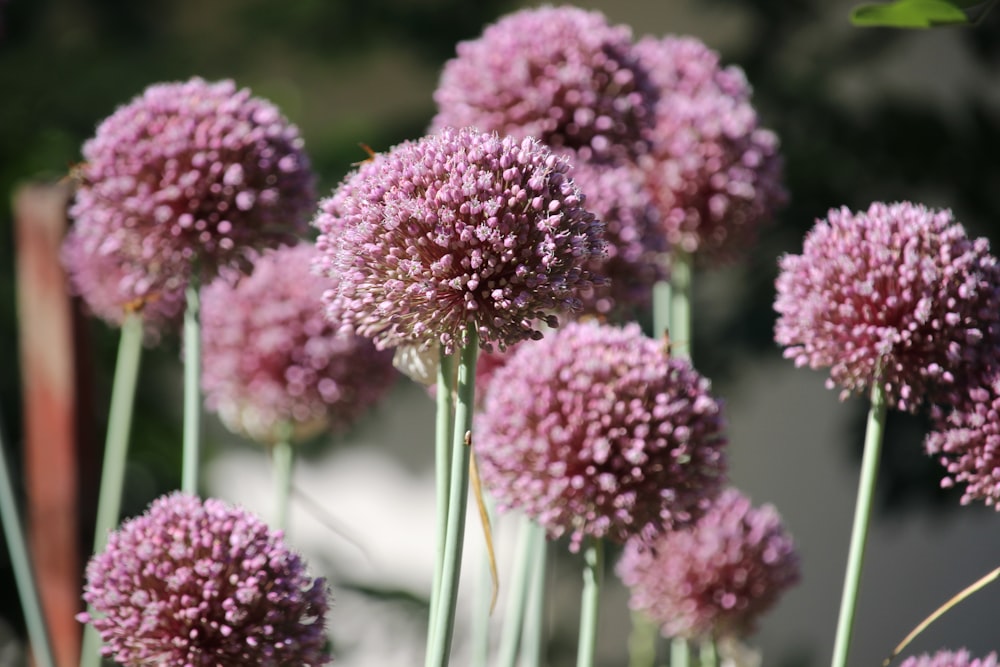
x=444, y=426
x=533, y=632
x=517, y=598
x=283, y=463
x=593, y=576
x=680, y=652
x=192, y=391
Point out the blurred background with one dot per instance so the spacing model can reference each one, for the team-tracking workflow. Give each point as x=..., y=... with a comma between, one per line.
x=862, y=116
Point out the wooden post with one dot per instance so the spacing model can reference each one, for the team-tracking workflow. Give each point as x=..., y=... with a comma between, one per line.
x=48, y=335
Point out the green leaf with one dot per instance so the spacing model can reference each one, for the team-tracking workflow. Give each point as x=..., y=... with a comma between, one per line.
x=914, y=13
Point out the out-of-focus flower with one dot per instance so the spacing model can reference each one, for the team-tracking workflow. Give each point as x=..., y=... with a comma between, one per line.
x=461, y=227
x=960, y=658
x=897, y=294
x=633, y=240
x=966, y=440
x=716, y=577
x=560, y=74
x=715, y=174
x=188, y=177
x=274, y=366
x=202, y=583
x=596, y=431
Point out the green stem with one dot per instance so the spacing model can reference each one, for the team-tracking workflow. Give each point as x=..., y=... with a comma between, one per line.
x=24, y=576
x=642, y=641
x=283, y=455
x=115, y=455
x=862, y=518
x=520, y=579
x=483, y=610
x=534, y=618
x=458, y=487
x=661, y=308
x=708, y=656
x=680, y=652
x=444, y=425
x=593, y=573
x=192, y=390
x=680, y=303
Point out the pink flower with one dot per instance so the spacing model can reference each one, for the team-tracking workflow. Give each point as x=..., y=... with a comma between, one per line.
x=960, y=658
x=595, y=430
x=714, y=578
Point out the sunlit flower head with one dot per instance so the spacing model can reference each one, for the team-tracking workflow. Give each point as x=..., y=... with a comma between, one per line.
x=596, y=431
x=459, y=228
x=715, y=174
x=960, y=658
x=716, y=577
x=203, y=583
x=897, y=294
x=560, y=74
x=273, y=366
x=191, y=177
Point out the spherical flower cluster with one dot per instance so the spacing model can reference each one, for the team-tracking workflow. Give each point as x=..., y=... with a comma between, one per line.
x=633, y=242
x=109, y=285
x=560, y=74
x=201, y=583
x=716, y=577
x=716, y=175
x=596, y=431
x=966, y=440
x=960, y=658
x=191, y=176
x=897, y=294
x=273, y=365
x=459, y=228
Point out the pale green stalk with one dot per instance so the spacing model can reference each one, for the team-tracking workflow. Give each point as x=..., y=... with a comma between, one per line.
x=680, y=652
x=662, y=297
x=874, y=431
x=708, y=656
x=24, y=576
x=483, y=609
x=444, y=425
x=283, y=461
x=534, y=619
x=115, y=455
x=458, y=487
x=593, y=574
x=642, y=641
x=520, y=578
x=680, y=304
x=192, y=390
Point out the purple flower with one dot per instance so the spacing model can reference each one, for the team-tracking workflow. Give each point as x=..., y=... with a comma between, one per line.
x=596, y=431
x=966, y=440
x=960, y=658
x=274, y=366
x=187, y=177
x=560, y=74
x=633, y=240
x=714, y=172
x=193, y=583
x=897, y=294
x=461, y=227
x=714, y=578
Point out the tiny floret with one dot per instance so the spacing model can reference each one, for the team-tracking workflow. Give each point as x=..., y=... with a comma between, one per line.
x=274, y=367
x=897, y=294
x=560, y=74
x=201, y=583
x=715, y=578
x=190, y=177
x=461, y=227
x=596, y=431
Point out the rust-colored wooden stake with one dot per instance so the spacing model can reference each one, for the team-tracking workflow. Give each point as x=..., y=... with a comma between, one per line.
x=48, y=368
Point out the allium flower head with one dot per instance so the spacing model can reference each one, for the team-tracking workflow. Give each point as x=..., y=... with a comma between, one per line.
x=960, y=658
x=714, y=172
x=896, y=294
x=560, y=74
x=191, y=174
x=274, y=366
x=966, y=440
x=633, y=241
x=192, y=583
x=716, y=577
x=459, y=227
x=596, y=431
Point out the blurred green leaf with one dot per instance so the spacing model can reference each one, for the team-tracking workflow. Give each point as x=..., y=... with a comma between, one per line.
x=920, y=13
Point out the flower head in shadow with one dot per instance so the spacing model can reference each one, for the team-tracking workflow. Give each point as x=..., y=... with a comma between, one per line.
x=203, y=583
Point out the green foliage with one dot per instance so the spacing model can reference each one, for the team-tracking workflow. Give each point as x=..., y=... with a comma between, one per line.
x=920, y=13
